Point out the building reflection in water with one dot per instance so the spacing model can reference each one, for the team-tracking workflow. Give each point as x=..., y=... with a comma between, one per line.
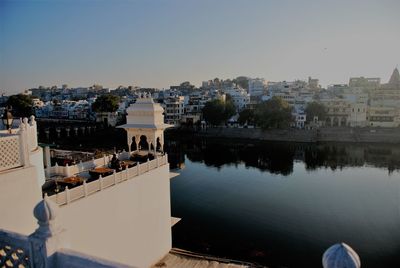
x=279, y=157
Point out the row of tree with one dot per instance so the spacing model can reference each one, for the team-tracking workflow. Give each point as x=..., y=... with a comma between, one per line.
x=22, y=105
x=273, y=113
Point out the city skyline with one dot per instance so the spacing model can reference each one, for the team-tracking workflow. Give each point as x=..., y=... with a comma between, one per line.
x=158, y=44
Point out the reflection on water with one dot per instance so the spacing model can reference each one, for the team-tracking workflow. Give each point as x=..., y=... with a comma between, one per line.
x=278, y=157
x=283, y=204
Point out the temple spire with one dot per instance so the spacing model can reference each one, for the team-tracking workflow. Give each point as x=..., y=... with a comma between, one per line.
x=395, y=77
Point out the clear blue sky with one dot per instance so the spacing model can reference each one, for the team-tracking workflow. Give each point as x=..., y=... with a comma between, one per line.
x=161, y=43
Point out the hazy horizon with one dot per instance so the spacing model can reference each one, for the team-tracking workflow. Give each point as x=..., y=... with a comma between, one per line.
x=163, y=43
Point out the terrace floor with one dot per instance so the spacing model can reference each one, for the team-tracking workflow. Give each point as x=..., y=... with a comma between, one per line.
x=179, y=258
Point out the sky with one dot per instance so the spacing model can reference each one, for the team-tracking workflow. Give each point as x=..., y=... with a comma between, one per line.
x=152, y=43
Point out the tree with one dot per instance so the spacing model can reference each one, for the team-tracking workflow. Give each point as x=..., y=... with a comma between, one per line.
x=22, y=105
x=274, y=113
x=230, y=109
x=216, y=112
x=106, y=103
x=246, y=116
x=315, y=109
x=242, y=81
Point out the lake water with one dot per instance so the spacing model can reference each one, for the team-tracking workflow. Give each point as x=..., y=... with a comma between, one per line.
x=283, y=204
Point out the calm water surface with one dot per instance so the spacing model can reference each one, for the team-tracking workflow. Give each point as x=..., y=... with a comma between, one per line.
x=282, y=205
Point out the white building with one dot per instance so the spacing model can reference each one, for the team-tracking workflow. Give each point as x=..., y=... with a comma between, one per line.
x=300, y=119
x=240, y=97
x=256, y=87
x=21, y=175
x=174, y=109
x=119, y=220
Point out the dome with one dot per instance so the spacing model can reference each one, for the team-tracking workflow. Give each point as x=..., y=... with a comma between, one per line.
x=340, y=255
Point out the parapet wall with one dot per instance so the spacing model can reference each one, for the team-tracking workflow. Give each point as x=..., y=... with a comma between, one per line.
x=129, y=223
x=19, y=193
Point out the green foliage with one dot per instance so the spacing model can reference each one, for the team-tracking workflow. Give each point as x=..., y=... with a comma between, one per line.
x=274, y=113
x=242, y=81
x=230, y=109
x=217, y=112
x=22, y=105
x=106, y=103
x=315, y=109
x=246, y=116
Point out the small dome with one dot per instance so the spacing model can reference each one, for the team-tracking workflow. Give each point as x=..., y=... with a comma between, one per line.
x=340, y=255
x=45, y=210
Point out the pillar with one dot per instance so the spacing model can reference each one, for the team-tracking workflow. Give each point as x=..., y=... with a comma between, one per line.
x=129, y=143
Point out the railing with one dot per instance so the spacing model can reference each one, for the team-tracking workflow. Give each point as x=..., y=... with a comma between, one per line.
x=16, y=146
x=10, y=148
x=84, y=166
x=16, y=250
x=69, y=195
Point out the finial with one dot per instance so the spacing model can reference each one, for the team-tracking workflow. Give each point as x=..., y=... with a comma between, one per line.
x=45, y=211
x=340, y=255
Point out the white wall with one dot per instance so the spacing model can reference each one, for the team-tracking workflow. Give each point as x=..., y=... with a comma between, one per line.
x=129, y=223
x=36, y=159
x=19, y=194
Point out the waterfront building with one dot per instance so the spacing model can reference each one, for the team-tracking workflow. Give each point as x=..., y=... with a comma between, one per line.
x=300, y=119
x=358, y=108
x=193, y=109
x=384, y=108
x=118, y=220
x=380, y=116
x=338, y=111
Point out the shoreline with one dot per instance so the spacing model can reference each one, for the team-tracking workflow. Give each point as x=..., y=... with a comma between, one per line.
x=327, y=134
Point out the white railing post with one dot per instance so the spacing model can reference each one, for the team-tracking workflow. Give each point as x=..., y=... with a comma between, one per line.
x=67, y=194
x=49, y=237
x=67, y=170
x=33, y=133
x=101, y=182
x=85, y=190
x=158, y=161
x=24, y=152
x=56, y=168
x=104, y=157
x=115, y=177
x=148, y=164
